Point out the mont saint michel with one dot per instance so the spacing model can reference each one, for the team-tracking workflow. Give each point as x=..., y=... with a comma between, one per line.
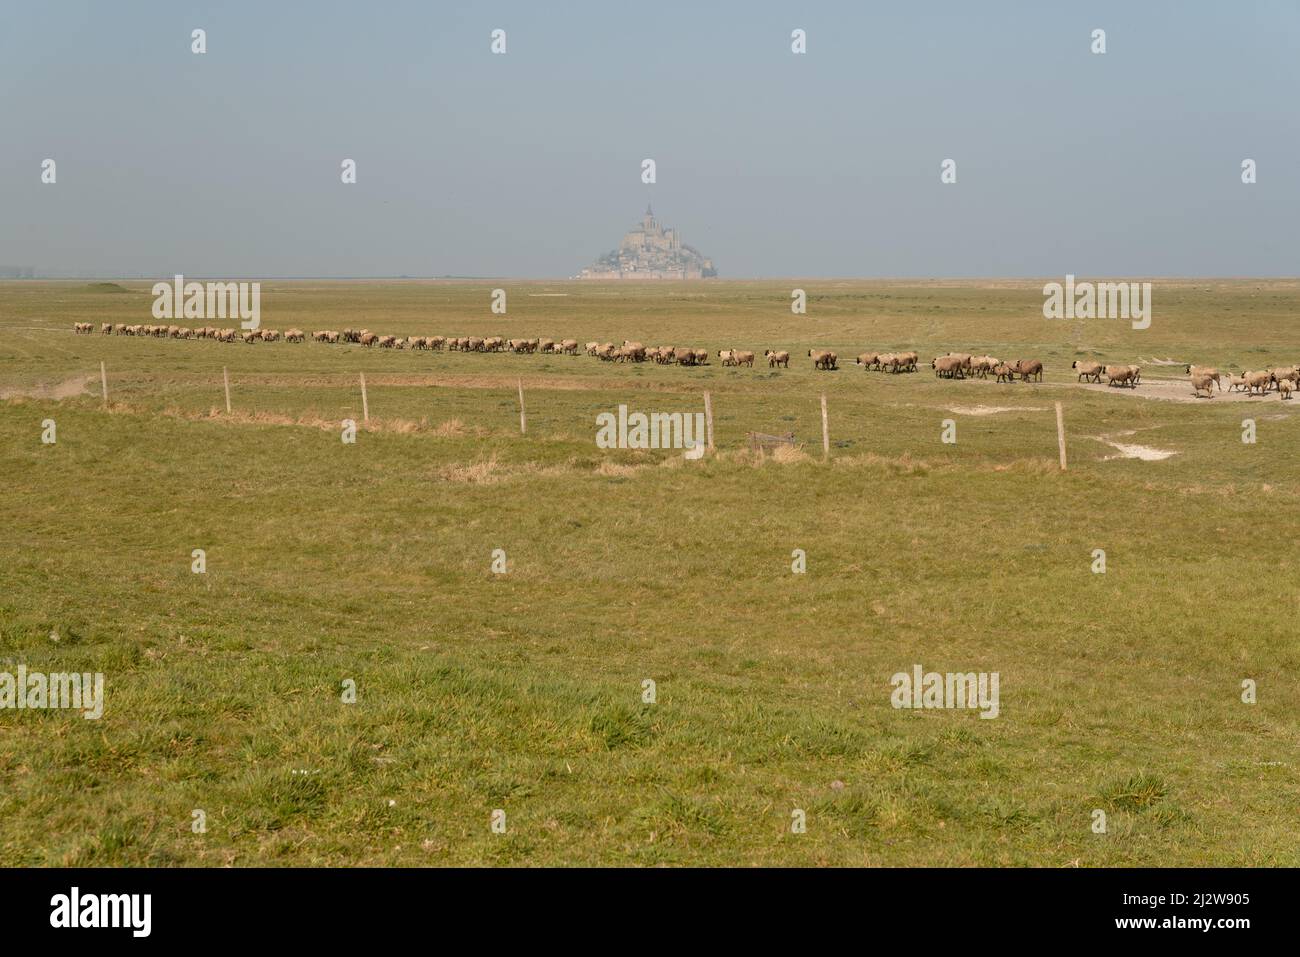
x=651, y=251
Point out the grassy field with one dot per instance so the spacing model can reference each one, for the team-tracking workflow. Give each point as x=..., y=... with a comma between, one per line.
x=522, y=691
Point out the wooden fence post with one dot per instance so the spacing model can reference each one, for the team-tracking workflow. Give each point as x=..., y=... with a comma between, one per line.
x=365, y=403
x=826, y=431
x=523, y=417
x=103, y=379
x=1060, y=433
x=708, y=421
x=225, y=377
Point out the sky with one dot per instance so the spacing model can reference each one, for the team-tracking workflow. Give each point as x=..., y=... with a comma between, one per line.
x=528, y=164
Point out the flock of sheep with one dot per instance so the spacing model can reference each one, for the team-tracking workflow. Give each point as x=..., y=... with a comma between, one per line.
x=954, y=365
x=1282, y=380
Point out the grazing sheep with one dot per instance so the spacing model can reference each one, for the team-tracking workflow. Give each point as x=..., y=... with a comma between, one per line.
x=1136, y=375
x=436, y=342
x=743, y=358
x=1088, y=370
x=907, y=361
x=1236, y=383
x=725, y=356
x=368, y=339
x=569, y=347
x=823, y=359
x=777, y=358
x=1285, y=388
x=888, y=362
x=250, y=337
x=591, y=348
x=1004, y=372
x=1202, y=383
x=867, y=359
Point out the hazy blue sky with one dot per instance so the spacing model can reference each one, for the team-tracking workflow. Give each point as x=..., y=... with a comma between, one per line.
x=528, y=164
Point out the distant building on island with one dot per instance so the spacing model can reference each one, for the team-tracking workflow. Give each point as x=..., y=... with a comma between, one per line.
x=649, y=251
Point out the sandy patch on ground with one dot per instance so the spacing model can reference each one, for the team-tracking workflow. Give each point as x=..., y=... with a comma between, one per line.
x=1130, y=450
x=993, y=409
x=61, y=390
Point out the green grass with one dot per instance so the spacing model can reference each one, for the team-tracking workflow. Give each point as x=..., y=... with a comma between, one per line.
x=523, y=691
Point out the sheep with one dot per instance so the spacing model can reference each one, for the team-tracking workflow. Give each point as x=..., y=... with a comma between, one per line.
x=331, y=337
x=1088, y=370
x=1119, y=375
x=1210, y=371
x=777, y=358
x=907, y=361
x=319, y=335
x=888, y=362
x=980, y=365
x=635, y=351
x=1202, y=383
x=1281, y=374
x=948, y=367
x=867, y=359
x=368, y=339
x=436, y=342
x=1004, y=372
x=1236, y=382
x=726, y=356
x=250, y=337
x=1258, y=381
x=1028, y=369
x=569, y=347
x=964, y=360
x=1285, y=387
x=685, y=357
x=743, y=358
x=591, y=348
x=823, y=359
